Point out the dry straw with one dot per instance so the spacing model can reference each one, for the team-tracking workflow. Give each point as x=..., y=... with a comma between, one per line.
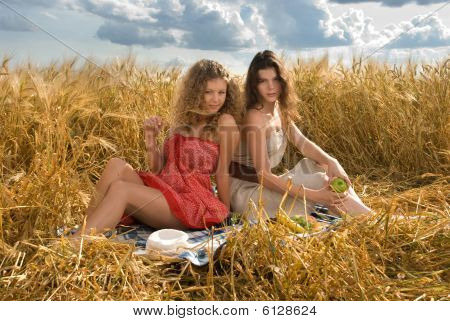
x=389, y=126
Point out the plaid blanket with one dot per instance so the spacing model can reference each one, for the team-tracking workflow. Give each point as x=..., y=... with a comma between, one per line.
x=203, y=242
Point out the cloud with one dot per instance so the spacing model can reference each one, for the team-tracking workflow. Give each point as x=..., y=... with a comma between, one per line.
x=217, y=25
x=120, y=11
x=316, y=27
x=234, y=25
x=431, y=34
x=127, y=33
x=416, y=33
x=195, y=24
x=347, y=54
x=187, y=24
x=210, y=26
x=357, y=28
x=392, y=3
x=297, y=24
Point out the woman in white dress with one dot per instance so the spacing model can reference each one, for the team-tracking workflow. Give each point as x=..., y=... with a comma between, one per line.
x=269, y=122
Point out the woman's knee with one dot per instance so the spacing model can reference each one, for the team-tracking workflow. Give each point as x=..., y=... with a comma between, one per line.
x=116, y=164
x=125, y=171
x=118, y=188
x=119, y=167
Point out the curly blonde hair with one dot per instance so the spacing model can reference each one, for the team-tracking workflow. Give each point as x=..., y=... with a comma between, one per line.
x=189, y=98
x=288, y=101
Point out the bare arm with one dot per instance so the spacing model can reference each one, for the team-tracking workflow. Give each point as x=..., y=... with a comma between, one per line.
x=307, y=147
x=155, y=158
x=255, y=134
x=314, y=152
x=228, y=140
x=152, y=127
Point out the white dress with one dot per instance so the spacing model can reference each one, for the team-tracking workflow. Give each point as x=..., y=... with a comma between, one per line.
x=244, y=193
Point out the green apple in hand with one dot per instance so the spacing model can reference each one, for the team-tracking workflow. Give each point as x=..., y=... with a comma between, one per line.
x=338, y=185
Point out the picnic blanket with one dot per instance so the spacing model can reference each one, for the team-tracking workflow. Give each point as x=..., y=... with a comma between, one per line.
x=201, y=242
x=204, y=243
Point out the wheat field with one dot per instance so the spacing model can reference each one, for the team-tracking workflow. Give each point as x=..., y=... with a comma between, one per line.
x=387, y=125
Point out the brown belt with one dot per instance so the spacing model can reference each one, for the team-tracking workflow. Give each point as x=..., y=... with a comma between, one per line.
x=243, y=172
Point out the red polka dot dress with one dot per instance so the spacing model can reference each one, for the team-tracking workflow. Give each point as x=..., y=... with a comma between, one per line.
x=185, y=181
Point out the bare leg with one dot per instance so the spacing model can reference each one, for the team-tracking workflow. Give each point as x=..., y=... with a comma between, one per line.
x=148, y=205
x=351, y=205
x=116, y=169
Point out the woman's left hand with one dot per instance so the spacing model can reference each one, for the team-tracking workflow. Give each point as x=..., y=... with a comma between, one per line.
x=335, y=170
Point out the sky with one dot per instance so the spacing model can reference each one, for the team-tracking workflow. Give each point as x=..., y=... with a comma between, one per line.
x=180, y=32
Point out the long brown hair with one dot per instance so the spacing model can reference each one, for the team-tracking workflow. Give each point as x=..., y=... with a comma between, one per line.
x=190, y=95
x=287, y=100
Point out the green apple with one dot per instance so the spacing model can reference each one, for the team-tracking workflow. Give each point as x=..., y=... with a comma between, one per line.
x=339, y=185
x=300, y=220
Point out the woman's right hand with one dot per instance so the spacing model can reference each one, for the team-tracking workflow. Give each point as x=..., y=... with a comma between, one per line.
x=152, y=127
x=326, y=196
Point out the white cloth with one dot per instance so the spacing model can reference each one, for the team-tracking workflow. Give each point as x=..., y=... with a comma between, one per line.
x=243, y=193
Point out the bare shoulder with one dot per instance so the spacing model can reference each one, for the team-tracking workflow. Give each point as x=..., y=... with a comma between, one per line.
x=227, y=127
x=226, y=120
x=227, y=123
x=254, y=121
x=254, y=117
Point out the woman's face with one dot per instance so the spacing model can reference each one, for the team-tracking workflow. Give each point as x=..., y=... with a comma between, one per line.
x=269, y=85
x=214, y=95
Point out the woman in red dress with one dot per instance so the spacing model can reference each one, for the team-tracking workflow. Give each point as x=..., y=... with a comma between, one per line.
x=177, y=192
